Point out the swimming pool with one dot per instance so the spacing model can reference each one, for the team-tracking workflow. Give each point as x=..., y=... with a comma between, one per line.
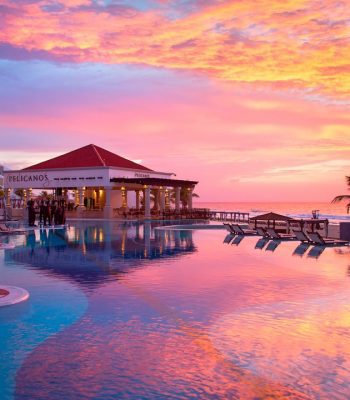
x=126, y=311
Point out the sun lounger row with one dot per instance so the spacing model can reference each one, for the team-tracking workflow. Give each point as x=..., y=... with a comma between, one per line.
x=6, y=229
x=272, y=234
x=316, y=238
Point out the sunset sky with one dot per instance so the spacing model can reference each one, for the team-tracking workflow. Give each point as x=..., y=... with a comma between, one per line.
x=251, y=98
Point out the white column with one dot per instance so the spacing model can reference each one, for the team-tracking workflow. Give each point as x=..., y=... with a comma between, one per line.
x=65, y=195
x=189, y=198
x=177, y=198
x=156, y=199
x=162, y=199
x=24, y=198
x=8, y=197
x=76, y=198
x=137, y=199
x=167, y=199
x=108, y=210
x=81, y=198
x=124, y=197
x=147, y=202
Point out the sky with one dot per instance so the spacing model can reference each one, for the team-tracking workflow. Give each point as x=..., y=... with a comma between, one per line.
x=251, y=98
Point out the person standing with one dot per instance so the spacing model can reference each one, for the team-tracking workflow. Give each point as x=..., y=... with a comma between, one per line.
x=47, y=212
x=63, y=213
x=41, y=211
x=58, y=214
x=53, y=212
x=31, y=212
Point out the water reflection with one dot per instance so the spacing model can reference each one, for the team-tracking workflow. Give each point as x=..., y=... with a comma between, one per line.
x=301, y=249
x=224, y=322
x=237, y=240
x=273, y=244
x=89, y=254
x=261, y=243
x=316, y=251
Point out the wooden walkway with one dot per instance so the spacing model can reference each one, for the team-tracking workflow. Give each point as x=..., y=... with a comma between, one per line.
x=233, y=216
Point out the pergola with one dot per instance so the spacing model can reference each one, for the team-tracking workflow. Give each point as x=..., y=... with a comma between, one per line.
x=302, y=224
x=271, y=218
x=101, y=178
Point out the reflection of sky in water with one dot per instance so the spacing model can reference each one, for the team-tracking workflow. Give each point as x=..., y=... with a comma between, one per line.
x=143, y=313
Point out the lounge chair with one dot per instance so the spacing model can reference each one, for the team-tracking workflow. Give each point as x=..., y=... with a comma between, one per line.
x=229, y=228
x=279, y=236
x=300, y=235
x=316, y=238
x=226, y=225
x=239, y=231
x=262, y=232
x=5, y=229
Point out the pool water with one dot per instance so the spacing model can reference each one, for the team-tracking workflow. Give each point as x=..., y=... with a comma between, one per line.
x=127, y=311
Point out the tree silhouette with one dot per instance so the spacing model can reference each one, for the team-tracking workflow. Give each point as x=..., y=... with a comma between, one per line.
x=342, y=197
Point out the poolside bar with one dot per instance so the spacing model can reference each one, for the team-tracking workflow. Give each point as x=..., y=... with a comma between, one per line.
x=96, y=183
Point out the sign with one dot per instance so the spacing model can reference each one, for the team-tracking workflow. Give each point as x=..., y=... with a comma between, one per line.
x=26, y=178
x=50, y=179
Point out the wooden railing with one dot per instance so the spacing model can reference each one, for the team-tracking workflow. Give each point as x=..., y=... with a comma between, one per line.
x=234, y=216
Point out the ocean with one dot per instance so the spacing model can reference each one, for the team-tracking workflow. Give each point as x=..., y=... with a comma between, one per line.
x=334, y=212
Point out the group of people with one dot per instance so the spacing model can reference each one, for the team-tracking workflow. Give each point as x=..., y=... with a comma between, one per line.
x=51, y=212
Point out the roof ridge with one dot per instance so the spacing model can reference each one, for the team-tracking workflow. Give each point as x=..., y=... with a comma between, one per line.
x=88, y=156
x=98, y=155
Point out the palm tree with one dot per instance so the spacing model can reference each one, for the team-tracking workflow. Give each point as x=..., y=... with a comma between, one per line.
x=344, y=196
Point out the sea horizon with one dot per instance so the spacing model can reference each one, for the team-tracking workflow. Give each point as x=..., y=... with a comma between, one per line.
x=335, y=212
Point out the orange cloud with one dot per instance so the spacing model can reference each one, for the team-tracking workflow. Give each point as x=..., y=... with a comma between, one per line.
x=291, y=44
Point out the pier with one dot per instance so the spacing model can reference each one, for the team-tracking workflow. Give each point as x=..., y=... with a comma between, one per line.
x=233, y=216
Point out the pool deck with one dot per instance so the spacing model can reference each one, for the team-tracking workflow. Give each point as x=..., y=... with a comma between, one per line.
x=333, y=228
x=10, y=295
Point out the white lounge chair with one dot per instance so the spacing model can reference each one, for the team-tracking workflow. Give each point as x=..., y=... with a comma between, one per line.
x=300, y=235
x=316, y=238
x=5, y=229
x=279, y=236
x=239, y=231
x=261, y=232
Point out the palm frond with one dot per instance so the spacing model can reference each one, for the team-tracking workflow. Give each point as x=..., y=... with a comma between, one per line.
x=340, y=198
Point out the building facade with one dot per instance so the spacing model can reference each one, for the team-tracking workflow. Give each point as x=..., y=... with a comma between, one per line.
x=102, y=180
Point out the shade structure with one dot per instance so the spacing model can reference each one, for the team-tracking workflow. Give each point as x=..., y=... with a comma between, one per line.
x=273, y=217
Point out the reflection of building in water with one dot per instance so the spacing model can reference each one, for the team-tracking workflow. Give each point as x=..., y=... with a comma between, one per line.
x=91, y=254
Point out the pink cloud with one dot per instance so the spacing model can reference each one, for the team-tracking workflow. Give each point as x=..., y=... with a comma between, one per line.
x=239, y=146
x=279, y=44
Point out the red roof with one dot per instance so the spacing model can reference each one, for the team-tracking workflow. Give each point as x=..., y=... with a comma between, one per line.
x=88, y=156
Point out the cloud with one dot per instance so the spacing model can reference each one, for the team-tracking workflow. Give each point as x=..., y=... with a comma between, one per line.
x=268, y=43
x=299, y=173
